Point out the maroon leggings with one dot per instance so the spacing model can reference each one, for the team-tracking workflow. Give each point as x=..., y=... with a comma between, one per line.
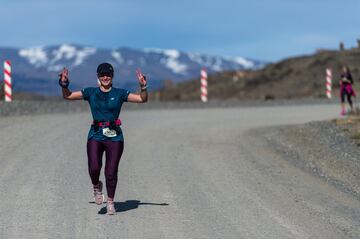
x=113, y=152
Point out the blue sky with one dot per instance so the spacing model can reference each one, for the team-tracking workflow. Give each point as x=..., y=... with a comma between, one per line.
x=267, y=30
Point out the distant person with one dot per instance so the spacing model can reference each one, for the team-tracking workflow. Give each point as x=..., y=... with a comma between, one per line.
x=346, y=89
x=105, y=134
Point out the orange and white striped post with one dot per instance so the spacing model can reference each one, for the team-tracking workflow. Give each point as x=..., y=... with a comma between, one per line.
x=328, y=82
x=204, y=85
x=7, y=80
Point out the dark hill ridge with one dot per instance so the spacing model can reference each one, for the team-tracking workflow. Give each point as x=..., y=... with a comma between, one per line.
x=297, y=77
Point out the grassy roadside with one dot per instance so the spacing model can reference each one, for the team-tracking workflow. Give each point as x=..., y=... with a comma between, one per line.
x=351, y=125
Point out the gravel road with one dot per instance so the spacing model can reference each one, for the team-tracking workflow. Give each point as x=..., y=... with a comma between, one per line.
x=185, y=173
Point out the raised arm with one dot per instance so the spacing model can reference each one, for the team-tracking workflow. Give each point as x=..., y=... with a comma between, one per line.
x=141, y=97
x=64, y=83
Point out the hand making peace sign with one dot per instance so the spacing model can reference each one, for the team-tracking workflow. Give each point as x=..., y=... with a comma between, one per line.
x=141, y=78
x=64, y=75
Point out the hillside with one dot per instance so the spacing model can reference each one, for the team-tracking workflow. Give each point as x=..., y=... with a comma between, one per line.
x=297, y=77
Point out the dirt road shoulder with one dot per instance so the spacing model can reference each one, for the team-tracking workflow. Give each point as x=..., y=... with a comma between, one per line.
x=321, y=148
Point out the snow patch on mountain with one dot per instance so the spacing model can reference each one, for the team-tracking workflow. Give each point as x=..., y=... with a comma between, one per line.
x=64, y=51
x=195, y=57
x=41, y=57
x=69, y=52
x=176, y=66
x=171, y=59
x=217, y=65
x=172, y=53
x=35, y=55
x=117, y=56
x=214, y=63
x=242, y=61
x=83, y=54
x=153, y=50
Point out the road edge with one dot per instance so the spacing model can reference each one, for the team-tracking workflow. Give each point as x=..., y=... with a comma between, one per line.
x=319, y=148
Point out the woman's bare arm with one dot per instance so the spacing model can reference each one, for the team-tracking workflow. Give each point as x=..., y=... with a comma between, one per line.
x=138, y=98
x=141, y=97
x=64, y=82
x=68, y=95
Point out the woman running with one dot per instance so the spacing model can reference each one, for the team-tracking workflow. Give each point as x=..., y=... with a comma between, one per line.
x=105, y=134
x=346, y=89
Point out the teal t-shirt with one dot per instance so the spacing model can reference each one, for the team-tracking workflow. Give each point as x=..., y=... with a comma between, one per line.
x=105, y=106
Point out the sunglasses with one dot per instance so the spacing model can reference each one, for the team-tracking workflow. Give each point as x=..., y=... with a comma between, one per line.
x=105, y=74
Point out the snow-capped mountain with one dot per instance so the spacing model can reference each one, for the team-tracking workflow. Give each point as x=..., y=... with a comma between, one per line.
x=35, y=69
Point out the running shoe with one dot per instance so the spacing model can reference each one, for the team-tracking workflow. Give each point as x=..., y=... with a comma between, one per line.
x=98, y=195
x=110, y=208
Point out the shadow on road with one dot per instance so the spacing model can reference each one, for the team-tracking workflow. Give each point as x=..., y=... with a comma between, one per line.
x=130, y=205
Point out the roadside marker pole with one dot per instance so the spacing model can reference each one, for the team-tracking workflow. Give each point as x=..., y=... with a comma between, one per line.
x=7, y=80
x=203, y=90
x=328, y=82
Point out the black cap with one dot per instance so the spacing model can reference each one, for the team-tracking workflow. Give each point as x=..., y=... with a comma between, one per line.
x=105, y=68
